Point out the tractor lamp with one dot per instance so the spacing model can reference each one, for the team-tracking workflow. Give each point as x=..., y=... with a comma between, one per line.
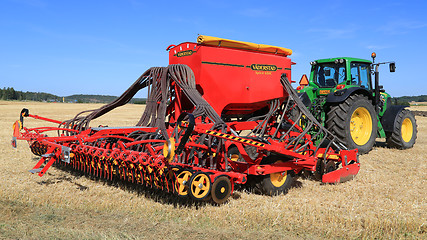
x=341, y=92
x=373, y=56
x=313, y=63
x=340, y=86
x=341, y=60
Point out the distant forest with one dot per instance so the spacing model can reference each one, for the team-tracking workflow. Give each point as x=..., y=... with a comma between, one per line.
x=421, y=98
x=12, y=94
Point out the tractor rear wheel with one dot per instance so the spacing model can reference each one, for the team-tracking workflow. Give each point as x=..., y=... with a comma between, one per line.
x=405, y=131
x=355, y=122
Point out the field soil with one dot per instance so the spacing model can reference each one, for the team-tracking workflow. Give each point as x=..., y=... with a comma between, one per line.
x=386, y=200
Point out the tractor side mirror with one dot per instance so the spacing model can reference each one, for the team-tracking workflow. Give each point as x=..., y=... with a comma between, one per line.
x=392, y=67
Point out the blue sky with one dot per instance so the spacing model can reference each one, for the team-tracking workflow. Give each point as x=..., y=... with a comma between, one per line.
x=101, y=47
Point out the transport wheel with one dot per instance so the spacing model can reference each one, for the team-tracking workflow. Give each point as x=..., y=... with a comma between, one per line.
x=355, y=122
x=405, y=131
x=234, y=154
x=200, y=186
x=277, y=183
x=181, y=183
x=221, y=189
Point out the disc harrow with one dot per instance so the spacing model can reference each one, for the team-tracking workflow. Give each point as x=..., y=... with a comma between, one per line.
x=190, y=147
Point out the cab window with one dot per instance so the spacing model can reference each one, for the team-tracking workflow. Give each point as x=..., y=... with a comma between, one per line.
x=329, y=74
x=361, y=74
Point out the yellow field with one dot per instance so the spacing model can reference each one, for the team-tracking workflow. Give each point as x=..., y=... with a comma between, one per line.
x=387, y=199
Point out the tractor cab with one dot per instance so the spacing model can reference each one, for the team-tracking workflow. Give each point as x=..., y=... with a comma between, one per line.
x=329, y=75
x=335, y=79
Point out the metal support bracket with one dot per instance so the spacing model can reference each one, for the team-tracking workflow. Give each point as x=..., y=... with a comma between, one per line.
x=65, y=154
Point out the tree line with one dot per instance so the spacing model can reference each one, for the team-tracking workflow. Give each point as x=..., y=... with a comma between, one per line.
x=421, y=98
x=11, y=94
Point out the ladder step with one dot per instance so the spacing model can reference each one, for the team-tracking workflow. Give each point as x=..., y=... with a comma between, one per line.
x=36, y=170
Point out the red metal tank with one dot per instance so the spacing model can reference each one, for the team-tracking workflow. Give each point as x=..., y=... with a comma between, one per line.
x=234, y=81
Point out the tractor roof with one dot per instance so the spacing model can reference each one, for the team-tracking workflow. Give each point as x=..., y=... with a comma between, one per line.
x=346, y=58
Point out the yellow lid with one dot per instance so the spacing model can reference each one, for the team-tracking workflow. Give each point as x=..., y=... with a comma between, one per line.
x=214, y=41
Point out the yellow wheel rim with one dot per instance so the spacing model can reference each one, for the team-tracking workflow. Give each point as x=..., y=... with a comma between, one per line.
x=234, y=157
x=278, y=179
x=200, y=186
x=180, y=184
x=361, y=126
x=407, y=130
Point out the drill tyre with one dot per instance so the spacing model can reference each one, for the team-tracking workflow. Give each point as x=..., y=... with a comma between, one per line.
x=221, y=189
x=277, y=183
x=355, y=122
x=405, y=131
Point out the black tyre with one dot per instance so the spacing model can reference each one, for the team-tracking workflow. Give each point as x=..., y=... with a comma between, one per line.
x=234, y=154
x=277, y=183
x=355, y=122
x=405, y=131
x=221, y=189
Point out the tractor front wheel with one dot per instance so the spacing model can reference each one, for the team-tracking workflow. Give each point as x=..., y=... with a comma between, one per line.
x=355, y=122
x=405, y=131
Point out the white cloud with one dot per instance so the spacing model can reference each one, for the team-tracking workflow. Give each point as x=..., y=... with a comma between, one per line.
x=329, y=33
x=378, y=47
x=401, y=26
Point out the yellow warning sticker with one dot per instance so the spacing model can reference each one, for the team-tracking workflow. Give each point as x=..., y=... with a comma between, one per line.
x=234, y=138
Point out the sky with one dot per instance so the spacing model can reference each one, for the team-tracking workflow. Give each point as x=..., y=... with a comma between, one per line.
x=103, y=46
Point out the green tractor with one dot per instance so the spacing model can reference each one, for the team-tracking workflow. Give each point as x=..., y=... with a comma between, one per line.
x=340, y=94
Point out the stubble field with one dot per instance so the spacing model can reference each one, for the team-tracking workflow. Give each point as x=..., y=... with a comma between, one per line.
x=386, y=200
